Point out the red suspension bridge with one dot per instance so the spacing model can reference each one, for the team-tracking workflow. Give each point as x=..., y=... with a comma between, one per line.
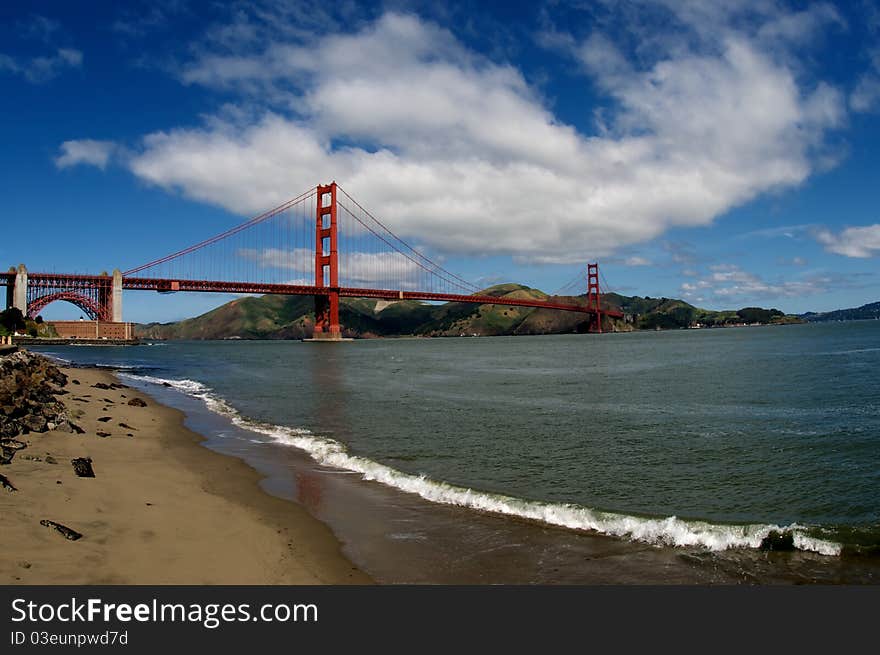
x=321, y=243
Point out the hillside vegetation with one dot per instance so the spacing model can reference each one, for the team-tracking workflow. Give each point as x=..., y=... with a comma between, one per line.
x=869, y=311
x=292, y=317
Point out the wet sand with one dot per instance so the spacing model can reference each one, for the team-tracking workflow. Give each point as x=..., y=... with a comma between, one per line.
x=161, y=509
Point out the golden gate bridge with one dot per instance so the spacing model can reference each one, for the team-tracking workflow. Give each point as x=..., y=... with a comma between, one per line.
x=322, y=243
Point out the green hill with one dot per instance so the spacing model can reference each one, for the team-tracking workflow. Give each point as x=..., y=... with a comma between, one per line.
x=869, y=311
x=292, y=317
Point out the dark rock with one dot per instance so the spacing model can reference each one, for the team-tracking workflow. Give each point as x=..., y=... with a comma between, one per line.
x=32, y=458
x=118, y=385
x=166, y=384
x=6, y=456
x=127, y=426
x=137, y=402
x=14, y=444
x=107, y=400
x=102, y=434
x=8, y=427
x=33, y=422
x=29, y=384
x=66, y=532
x=104, y=419
x=82, y=466
x=69, y=426
x=6, y=484
x=51, y=460
x=75, y=381
x=52, y=410
x=778, y=541
x=100, y=385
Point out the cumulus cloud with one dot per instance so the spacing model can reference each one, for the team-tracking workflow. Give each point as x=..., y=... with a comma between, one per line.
x=861, y=242
x=461, y=154
x=84, y=151
x=44, y=68
x=728, y=284
x=356, y=269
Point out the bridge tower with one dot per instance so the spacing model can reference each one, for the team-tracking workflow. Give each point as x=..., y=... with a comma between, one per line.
x=593, y=297
x=326, y=257
x=116, y=297
x=19, y=292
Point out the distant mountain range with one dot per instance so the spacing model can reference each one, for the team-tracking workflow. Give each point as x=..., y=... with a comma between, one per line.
x=871, y=310
x=292, y=317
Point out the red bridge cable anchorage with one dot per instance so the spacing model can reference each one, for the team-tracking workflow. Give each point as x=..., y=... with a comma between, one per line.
x=234, y=230
x=433, y=265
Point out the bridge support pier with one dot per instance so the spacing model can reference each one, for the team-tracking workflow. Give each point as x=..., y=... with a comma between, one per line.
x=116, y=297
x=19, y=292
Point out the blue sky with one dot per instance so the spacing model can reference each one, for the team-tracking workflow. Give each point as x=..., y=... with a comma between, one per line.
x=725, y=153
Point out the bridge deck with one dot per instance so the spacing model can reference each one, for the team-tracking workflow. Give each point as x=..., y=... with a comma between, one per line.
x=165, y=285
x=151, y=284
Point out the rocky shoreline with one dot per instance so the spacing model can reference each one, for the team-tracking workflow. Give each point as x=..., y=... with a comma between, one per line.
x=101, y=485
x=29, y=388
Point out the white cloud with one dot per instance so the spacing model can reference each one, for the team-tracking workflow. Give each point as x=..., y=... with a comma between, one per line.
x=294, y=259
x=356, y=269
x=37, y=27
x=861, y=242
x=637, y=261
x=85, y=151
x=461, y=154
x=728, y=284
x=44, y=68
x=865, y=97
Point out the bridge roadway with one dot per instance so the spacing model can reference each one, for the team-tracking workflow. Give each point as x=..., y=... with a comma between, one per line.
x=151, y=284
x=168, y=285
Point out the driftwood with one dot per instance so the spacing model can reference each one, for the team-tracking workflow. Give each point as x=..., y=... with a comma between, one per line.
x=66, y=532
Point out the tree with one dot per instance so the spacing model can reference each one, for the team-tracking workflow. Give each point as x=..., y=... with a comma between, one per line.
x=12, y=319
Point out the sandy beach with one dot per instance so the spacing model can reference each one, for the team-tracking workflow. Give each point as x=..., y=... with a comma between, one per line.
x=160, y=509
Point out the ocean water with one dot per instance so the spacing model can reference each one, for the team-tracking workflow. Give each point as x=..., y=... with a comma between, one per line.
x=703, y=440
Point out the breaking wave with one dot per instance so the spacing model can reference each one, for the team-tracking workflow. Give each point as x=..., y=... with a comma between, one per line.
x=668, y=531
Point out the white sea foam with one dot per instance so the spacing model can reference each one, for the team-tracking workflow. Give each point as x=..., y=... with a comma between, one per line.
x=670, y=531
x=56, y=358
